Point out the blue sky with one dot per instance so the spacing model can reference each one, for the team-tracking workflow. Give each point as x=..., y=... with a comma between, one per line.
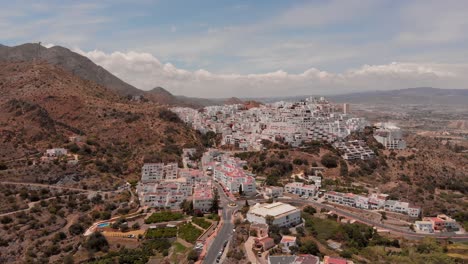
x=218, y=48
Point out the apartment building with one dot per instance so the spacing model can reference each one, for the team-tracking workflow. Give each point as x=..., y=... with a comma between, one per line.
x=193, y=175
x=373, y=201
x=283, y=214
x=402, y=207
x=389, y=135
x=165, y=194
x=347, y=199
x=203, y=196
x=355, y=149
x=159, y=171
x=300, y=189
x=286, y=122
x=233, y=177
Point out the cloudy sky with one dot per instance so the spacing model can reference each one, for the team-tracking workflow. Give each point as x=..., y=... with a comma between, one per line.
x=256, y=48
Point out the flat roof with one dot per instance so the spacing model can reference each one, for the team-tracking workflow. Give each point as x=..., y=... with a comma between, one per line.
x=274, y=209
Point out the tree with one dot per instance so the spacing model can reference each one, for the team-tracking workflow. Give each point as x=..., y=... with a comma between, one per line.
x=309, y=247
x=310, y=210
x=97, y=242
x=136, y=226
x=68, y=259
x=384, y=215
x=269, y=220
x=6, y=220
x=329, y=160
x=343, y=168
x=76, y=229
x=187, y=207
x=215, y=203
x=192, y=255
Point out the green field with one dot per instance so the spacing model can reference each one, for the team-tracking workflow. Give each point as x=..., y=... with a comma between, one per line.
x=201, y=222
x=164, y=217
x=189, y=232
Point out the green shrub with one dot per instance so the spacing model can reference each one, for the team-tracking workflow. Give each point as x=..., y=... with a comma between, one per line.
x=165, y=216
x=162, y=232
x=329, y=160
x=201, y=222
x=189, y=232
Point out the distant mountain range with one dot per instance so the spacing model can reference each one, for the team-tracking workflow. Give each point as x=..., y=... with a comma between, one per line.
x=418, y=96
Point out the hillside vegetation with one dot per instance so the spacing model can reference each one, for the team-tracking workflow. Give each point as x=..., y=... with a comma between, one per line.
x=42, y=105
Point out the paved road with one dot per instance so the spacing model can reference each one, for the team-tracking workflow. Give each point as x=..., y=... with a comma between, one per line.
x=393, y=230
x=226, y=230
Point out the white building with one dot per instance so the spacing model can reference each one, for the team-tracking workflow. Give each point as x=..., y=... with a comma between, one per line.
x=402, y=207
x=56, y=152
x=233, y=177
x=158, y=171
x=203, y=197
x=165, y=194
x=316, y=179
x=423, y=226
x=286, y=242
x=355, y=149
x=390, y=136
x=283, y=214
x=273, y=191
x=301, y=189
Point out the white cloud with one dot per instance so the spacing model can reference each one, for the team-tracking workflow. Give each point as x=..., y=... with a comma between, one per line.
x=433, y=22
x=145, y=71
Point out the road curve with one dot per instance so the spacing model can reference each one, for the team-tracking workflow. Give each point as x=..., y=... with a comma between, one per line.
x=393, y=230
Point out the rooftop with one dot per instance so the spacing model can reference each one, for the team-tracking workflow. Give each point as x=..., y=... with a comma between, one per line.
x=274, y=209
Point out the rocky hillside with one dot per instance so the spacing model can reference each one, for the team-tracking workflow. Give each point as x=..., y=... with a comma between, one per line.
x=84, y=68
x=70, y=61
x=42, y=105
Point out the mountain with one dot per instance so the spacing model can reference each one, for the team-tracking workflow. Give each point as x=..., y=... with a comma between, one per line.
x=233, y=100
x=420, y=95
x=42, y=105
x=84, y=68
x=70, y=61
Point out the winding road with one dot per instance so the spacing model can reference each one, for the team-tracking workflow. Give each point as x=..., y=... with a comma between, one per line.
x=393, y=230
x=226, y=230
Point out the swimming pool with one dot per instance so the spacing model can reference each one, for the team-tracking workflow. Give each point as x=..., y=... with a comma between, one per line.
x=103, y=225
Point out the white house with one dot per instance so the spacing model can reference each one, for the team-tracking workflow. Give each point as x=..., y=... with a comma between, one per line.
x=286, y=242
x=273, y=191
x=300, y=188
x=424, y=226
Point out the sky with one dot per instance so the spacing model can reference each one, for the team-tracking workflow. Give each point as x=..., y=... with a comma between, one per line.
x=256, y=48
